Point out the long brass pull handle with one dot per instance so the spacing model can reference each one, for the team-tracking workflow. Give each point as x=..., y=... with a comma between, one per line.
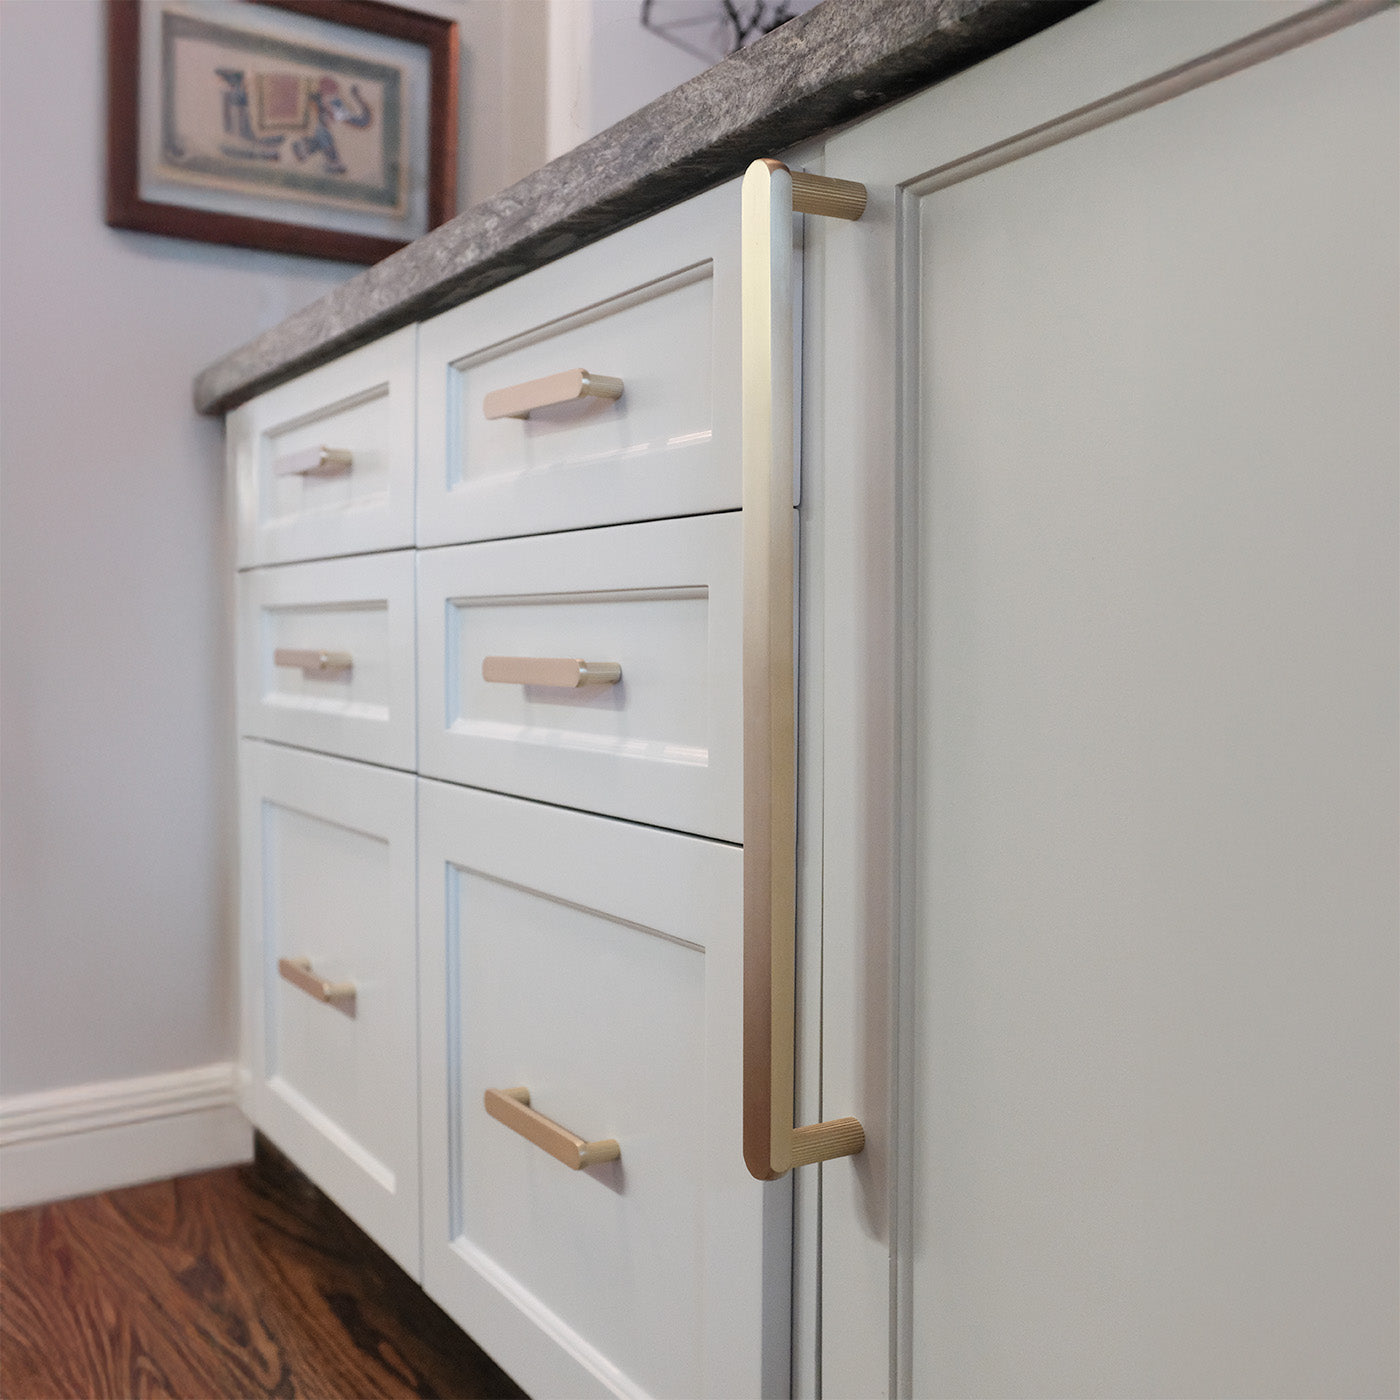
x=549, y=670
x=512, y=1107
x=298, y=972
x=312, y=660
x=772, y=1144
x=520, y=400
x=314, y=461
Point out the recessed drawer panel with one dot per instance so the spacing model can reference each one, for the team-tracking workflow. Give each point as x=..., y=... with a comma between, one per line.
x=593, y=967
x=330, y=949
x=656, y=605
x=326, y=656
x=324, y=465
x=653, y=320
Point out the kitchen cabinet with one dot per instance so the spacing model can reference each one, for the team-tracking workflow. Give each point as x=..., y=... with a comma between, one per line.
x=1108, y=419
x=533, y=935
x=1095, y=761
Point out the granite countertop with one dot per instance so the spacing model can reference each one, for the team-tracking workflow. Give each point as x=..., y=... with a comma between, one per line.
x=838, y=61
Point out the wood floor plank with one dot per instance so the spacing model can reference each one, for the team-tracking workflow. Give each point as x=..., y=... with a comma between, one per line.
x=67, y=1330
x=236, y=1283
x=185, y=1261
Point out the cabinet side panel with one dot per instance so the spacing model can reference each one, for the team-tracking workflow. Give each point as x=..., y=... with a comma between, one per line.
x=1156, y=866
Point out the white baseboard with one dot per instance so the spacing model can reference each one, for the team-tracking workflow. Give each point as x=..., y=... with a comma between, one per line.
x=98, y=1137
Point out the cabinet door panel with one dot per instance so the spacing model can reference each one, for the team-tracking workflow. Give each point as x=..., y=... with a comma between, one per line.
x=663, y=744
x=328, y=880
x=655, y=306
x=595, y=964
x=1150, y=867
x=357, y=612
x=290, y=505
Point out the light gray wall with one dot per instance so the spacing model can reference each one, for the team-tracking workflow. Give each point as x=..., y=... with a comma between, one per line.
x=116, y=924
x=115, y=944
x=603, y=65
x=503, y=100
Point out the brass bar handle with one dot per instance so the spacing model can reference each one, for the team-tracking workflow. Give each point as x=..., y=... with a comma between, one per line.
x=563, y=671
x=770, y=196
x=520, y=400
x=314, y=461
x=298, y=972
x=512, y=1107
x=310, y=659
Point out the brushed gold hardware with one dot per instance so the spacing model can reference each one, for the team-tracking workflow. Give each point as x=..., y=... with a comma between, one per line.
x=512, y=1107
x=312, y=660
x=298, y=972
x=821, y=194
x=549, y=670
x=772, y=1144
x=520, y=400
x=819, y=1142
x=314, y=461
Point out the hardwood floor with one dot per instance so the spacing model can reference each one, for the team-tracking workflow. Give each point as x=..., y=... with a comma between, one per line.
x=235, y=1283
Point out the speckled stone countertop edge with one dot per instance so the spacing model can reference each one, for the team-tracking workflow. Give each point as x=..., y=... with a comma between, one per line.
x=839, y=61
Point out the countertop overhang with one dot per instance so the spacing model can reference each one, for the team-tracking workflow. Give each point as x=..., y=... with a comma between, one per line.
x=839, y=61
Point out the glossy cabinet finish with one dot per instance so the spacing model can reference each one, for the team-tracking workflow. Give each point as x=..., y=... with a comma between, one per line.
x=655, y=306
x=664, y=744
x=358, y=610
x=597, y=964
x=328, y=852
x=361, y=405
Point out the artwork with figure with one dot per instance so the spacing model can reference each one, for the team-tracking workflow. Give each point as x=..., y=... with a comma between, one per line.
x=257, y=112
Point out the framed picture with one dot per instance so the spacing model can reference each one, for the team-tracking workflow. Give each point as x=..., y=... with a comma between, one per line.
x=324, y=127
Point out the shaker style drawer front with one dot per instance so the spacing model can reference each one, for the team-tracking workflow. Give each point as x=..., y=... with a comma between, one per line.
x=580, y=992
x=326, y=656
x=324, y=465
x=531, y=421
x=330, y=964
x=649, y=727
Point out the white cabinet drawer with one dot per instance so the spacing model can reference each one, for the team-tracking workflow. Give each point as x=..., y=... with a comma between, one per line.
x=598, y=965
x=655, y=306
x=664, y=744
x=328, y=880
x=360, y=409
x=299, y=626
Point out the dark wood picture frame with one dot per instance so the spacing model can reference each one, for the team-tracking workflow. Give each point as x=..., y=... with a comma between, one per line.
x=127, y=209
